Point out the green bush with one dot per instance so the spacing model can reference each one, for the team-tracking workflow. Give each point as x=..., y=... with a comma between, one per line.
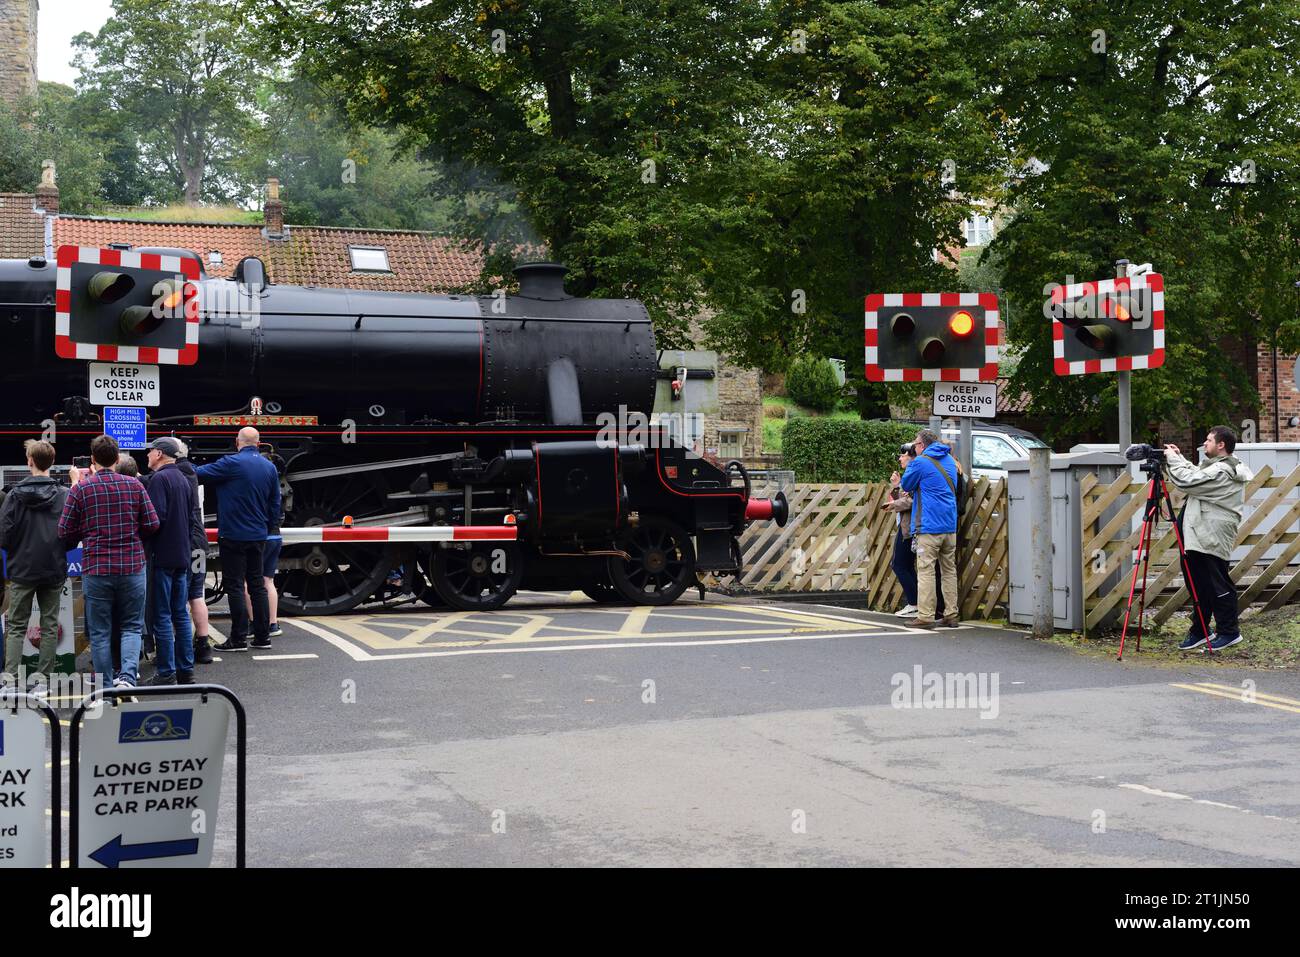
x=843, y=450
x=811, y=382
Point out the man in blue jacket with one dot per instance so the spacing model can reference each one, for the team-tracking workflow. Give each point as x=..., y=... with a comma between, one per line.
x=173, y=500
x=931, y=480
x=248, y=509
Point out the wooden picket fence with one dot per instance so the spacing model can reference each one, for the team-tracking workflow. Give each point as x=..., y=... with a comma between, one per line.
x=839, y=540
x=1110, y=534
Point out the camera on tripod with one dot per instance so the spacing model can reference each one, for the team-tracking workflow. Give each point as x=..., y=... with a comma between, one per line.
x=1151, y=457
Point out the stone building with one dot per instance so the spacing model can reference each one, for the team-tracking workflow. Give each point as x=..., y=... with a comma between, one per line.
x=736, y=432
x=17, y=49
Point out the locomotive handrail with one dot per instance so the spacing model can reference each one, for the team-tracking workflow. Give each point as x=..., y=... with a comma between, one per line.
x=394, y=315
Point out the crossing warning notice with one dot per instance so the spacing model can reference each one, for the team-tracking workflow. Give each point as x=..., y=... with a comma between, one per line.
x=969, y=399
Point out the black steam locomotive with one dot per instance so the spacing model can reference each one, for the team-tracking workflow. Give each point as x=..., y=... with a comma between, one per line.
x=401, y=411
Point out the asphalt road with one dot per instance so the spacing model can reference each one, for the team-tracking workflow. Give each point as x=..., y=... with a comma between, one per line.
x=556, y=732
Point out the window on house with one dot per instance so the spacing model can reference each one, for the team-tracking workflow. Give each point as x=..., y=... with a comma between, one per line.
x=731, y=444
x=369, y=259
x=979, y=230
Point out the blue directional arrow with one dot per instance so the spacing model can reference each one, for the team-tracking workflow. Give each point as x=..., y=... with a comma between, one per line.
x=115, y=852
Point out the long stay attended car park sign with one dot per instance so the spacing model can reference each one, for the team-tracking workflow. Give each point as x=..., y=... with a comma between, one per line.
x=150, y=783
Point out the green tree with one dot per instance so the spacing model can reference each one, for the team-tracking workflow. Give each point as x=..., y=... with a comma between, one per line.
x=1165, y=134
x=181, y=78
x=336, y=173
x=770, y=161
x=46, y=128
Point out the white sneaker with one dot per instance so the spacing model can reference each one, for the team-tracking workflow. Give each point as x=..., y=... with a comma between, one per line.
x=907, y=611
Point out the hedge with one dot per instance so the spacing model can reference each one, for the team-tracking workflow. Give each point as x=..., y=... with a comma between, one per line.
x=843, y=450
x=812, y=383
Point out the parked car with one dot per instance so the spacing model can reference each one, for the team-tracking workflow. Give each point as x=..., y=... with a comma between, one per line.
x=993, y=444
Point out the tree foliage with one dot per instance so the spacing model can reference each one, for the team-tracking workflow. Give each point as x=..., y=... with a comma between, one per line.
x=1168, y=135
x=812, y=383
x=180, y=77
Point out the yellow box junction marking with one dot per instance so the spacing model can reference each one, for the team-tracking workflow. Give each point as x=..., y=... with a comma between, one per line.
x=464, y=629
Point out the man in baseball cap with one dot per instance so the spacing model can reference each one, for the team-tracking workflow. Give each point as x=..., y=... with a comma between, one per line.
x=174, y=500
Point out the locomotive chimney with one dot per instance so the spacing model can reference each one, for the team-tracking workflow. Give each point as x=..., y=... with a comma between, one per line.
x=542, y=281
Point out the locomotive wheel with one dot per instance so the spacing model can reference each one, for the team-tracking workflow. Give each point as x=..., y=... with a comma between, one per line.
x=428, y=595
x=213, y=593
x=602, y=591
x=662, y=564
x=481, y=577
x=334, y=577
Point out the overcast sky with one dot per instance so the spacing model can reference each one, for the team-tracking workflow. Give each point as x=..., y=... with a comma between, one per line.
x=59, y=22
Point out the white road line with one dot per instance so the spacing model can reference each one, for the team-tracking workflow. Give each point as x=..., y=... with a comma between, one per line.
x=351, y=650
x=358, y=655
x=282, y=657
x=1175, y=796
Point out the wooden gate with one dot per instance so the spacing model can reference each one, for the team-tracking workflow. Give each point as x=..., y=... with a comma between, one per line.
x=839, y=540
x=1110, y=545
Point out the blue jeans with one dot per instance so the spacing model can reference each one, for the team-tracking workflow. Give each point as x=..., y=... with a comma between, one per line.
x=171, y=620
x=105, y=596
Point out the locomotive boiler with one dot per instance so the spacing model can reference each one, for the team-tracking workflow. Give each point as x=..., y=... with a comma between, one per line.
x=415, y=414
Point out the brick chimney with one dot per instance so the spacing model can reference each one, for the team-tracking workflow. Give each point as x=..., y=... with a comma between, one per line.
x=47, y=194
x=273, y=210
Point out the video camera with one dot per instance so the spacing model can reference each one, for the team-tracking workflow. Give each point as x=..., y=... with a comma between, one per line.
x=1152, y=457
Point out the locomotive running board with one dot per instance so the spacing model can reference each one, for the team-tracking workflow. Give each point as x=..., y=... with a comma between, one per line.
x=427, y=533
x=371, y=466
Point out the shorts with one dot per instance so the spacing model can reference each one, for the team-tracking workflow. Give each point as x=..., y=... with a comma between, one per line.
x=271, y=556
x=197, y=584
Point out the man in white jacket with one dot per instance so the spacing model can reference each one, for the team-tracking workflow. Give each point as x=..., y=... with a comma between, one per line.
x=1216, y=494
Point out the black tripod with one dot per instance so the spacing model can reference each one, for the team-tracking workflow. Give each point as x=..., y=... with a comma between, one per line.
x=1157, y=496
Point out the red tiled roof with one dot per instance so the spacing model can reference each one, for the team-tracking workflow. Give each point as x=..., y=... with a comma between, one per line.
x=308, y=256
x=22, y=229
x=1010, y=401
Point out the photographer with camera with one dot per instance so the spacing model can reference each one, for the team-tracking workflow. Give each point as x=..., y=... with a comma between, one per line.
x=932, y=479
x=904, y=559
x=1216, y=494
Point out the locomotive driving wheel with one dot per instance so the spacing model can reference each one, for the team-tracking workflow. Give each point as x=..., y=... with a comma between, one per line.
x=424, y=565
x=661, y=565
x=480, y=577
x=602, y=591
x=326, y=578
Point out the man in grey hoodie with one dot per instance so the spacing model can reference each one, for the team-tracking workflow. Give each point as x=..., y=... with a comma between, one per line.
x=35, y=557
x=1216, y=495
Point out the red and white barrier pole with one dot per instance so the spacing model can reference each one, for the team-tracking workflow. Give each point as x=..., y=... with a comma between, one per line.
x=296, y=535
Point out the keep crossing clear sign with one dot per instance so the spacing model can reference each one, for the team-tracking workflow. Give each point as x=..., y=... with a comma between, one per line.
x=150, y=783
x=22, y=789
x=969, y=399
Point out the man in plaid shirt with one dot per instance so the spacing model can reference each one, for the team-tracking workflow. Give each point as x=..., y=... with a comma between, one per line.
x=109, y=514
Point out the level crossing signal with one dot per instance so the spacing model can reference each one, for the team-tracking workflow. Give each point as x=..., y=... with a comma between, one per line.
x=932, y=336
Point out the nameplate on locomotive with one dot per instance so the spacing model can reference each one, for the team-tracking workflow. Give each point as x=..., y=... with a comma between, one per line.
x=255, y=420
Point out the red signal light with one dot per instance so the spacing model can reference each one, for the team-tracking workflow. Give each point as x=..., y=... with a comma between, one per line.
x=1114, y=310
x=961, y=324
